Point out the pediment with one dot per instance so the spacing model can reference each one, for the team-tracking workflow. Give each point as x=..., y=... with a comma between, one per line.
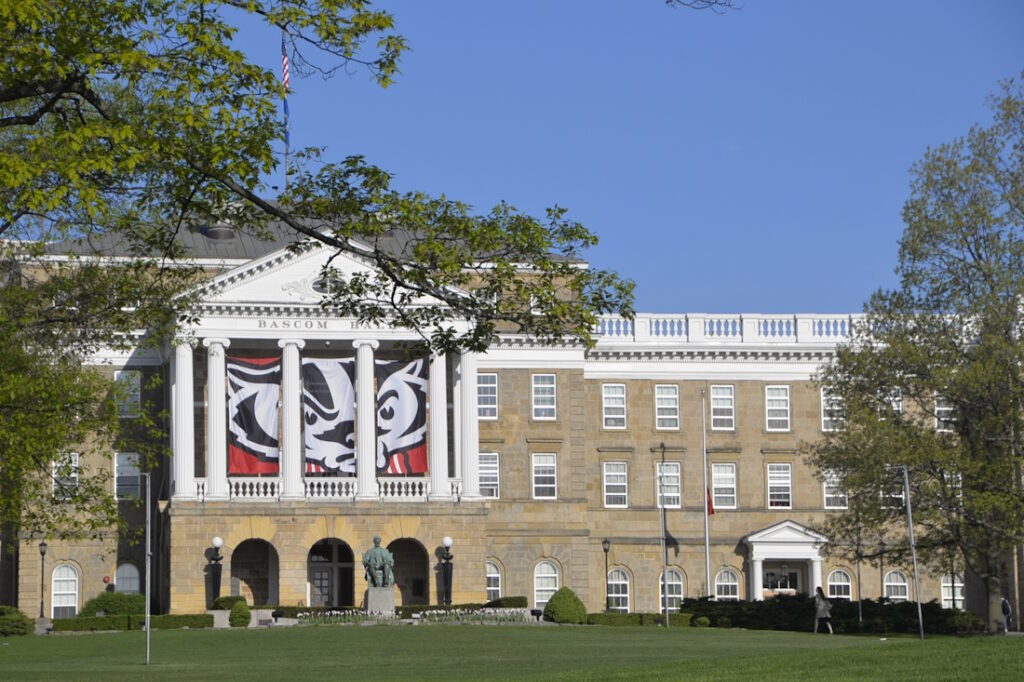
x=786, y=532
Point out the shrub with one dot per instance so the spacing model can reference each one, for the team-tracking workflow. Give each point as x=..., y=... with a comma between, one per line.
x=94, y=623
x=183, y=620
x=565, y=607
x=700, y=622
x=614, y=619
x=115, y=603
x=508, y=603
x=724, y=622
x=225, y=603
x=240, y=615
x=14, y=622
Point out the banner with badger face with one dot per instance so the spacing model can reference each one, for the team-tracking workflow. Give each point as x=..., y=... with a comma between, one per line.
x=328, y=398
x=401, y=417
x=254, y=388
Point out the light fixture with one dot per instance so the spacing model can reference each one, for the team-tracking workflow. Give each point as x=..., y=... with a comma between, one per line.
x=446, y=570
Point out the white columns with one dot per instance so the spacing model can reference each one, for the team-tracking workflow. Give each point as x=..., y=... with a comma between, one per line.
x=469, y=426
x=216, y=420
x=756, y=580
x=815, y=574
x=366, y=422
x=291, y=419
x=438, y=447
x=183, y=423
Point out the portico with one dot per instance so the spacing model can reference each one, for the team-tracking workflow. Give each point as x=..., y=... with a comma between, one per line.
x=785, y=545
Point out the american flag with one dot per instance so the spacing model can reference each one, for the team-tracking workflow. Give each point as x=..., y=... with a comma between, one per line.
x=285, y=75
x=286, y=80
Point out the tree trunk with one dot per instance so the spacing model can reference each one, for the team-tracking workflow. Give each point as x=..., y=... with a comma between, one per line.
x=995, y=606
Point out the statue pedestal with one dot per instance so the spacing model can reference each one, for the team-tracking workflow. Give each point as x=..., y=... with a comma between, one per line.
x=380, y=600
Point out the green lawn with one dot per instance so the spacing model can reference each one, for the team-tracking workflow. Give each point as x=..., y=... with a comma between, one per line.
x=469, y=652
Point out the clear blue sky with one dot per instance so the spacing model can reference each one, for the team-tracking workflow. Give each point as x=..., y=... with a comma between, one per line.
x=755, y=161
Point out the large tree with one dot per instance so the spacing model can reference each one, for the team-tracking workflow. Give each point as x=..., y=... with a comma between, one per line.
x=933, y=377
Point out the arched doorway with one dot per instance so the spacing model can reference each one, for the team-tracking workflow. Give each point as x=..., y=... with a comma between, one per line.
x=412, y=570
x=254, y=572
x=330, y=574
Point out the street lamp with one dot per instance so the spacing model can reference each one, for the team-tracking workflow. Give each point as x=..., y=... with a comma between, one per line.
x=215, y=567
x=446, y=569
x=42, y=575
x=606, y=545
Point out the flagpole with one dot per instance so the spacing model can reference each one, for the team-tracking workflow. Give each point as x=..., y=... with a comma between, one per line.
x=286, y=81
x=664, y=539
x=704, y=451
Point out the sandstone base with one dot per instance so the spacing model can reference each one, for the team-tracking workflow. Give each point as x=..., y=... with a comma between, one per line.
x=380, y=600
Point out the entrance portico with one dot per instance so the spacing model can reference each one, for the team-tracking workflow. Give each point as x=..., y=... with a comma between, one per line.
x=786, y=545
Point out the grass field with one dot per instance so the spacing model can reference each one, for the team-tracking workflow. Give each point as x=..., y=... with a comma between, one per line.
x=443, y=652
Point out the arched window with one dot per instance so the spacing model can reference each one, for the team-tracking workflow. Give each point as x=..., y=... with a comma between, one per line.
x=840, y=585
x=64, y=591
x=618, y=591
x=896, y=586
x=126, y=579
x=545, y=583
x=952, y=591
x=727, y=585
x=493, y=581
x=673, y=587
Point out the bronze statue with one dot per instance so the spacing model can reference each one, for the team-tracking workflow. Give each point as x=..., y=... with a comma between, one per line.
x=378, y=563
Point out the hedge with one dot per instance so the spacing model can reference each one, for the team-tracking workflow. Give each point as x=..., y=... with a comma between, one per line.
x=508, y=603
x=175, y=621
x=94, y=623
x=225, y=603
x=114, y=604
x=14, y=622
x=797, y=613
x=240, y=616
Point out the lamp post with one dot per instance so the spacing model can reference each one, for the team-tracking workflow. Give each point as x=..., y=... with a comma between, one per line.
x=606, y=545
x=215, y=567
x=881, y=567
x=446, y=569
x=42, y=575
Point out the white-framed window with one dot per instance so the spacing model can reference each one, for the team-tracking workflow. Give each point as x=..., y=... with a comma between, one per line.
x=892, y=492
x=65, y=475
x=126, y=475
x=487, y=396
x=64, y=591
x=833, y=417
x=723, y=485
x=670, y=584
x=126, y=579
x=669, y=482
x=840, y=585
x=618, y=591
x=613, y=402
x=892, y=401
x=780, y=486
x=723, y=408
x=727, y=585
x=666, y=407
x=129, y=392
x=896, y=586
x=493, y=581
x=945, y=415
x=545, y=476
x=835, y=495
x=616, y=493
x=488, y=474
x=776, y=405
x=952, y=591
x=545, y=583
x=543, y=396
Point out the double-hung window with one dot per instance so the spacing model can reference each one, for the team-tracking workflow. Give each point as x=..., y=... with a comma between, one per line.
x=780, y=486
x=488, y=474
x=615, y=485
x=613, y=401
x=723, y=408
x=669, y=485
x=835, y=495
x=487, y=396
x=493, y=581
x=945, y=415
x=832, y=413
x=65, y=475
x=545, y=476
x=128, y=384
x=126, y=478
x=723, y=485
x=776, y=402
x=666, y=407
x=544, y=396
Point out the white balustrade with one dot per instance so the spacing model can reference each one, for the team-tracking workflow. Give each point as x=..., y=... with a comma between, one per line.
x=330, y=488
x=403, y=488
x=456, y=487
x=702, y=329
x=200, y=488
x=254, y=488
x=832, y=328
x=777, y=329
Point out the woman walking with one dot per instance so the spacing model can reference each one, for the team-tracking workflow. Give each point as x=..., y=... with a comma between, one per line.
x=822, y=611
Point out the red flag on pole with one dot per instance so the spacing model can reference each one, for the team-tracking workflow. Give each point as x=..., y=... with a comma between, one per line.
x=711, y=505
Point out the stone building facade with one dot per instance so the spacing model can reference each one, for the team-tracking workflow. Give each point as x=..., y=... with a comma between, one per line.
x=547, y=464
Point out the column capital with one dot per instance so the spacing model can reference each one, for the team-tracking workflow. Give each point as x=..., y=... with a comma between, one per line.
x=184, y=340
x=300, y=343
x=209, y=342
x=372, y=343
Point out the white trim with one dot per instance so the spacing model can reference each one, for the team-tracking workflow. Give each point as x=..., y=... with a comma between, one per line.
x=553, y=474
x=732, y=407
x=608, y=402
x=479, y=407
x=659, y=484
x=778, y=483
x=768, y=419
x=714, y=486
x=534, y=407
x=621, y=479
x=677, y=417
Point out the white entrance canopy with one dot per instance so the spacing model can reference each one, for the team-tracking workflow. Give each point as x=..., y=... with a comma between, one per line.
x=783, y=541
